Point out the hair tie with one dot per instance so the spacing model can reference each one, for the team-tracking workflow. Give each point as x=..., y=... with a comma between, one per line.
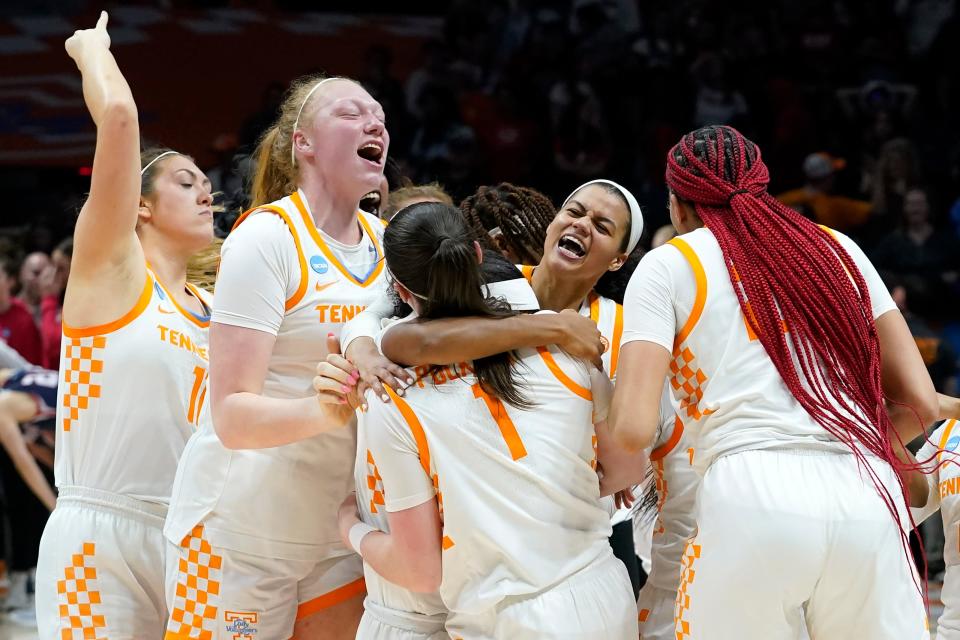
x=736, y=193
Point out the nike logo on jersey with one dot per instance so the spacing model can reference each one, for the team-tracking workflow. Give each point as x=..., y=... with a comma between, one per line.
x=163, y=311
x=320, y=287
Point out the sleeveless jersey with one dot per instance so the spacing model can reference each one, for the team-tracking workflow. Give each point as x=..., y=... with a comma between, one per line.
x=131, y=393
x=607, y=315
x=518, y=491
x=725, y=386
x=282, y=502
x=41, y=385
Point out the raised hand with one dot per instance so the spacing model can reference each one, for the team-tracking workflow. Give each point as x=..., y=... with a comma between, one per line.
x=85, y=39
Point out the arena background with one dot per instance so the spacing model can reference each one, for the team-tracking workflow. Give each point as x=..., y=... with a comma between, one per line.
x=544, y=94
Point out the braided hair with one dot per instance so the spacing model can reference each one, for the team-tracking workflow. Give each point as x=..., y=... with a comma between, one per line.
x=521, y=214
x=794, y=274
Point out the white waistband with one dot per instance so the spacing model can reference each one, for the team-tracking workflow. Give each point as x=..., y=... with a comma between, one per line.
x=408, y=620
x=149, y=512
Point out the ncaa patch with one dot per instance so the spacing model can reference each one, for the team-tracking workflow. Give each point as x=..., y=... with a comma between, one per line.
x=952, y=443
x=319, y=264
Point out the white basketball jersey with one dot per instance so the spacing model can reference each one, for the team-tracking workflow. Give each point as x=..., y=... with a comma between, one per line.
x=282, y=502
x=607, y=315
x=518, y=492
x=726, y=388
x=131, y=393
x=371, y=504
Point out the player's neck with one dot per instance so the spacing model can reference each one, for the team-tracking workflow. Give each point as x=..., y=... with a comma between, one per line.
x=170, y=269
x=557, y=294
x=332, y=213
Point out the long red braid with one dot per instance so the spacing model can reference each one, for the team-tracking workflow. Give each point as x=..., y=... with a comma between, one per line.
x=795, y=274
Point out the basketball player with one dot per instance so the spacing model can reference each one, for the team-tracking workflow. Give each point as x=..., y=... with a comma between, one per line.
x=28, y=399
x=771, y=330
x=392, y=612
x=133, y=369
x=597, y=227
x=524, y=539
x=260, y=485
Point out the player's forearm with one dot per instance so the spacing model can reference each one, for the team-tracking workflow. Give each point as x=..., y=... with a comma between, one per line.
x=105, y=90
x=949, y=407
x=251, y=421
x=621, y=469
x=381, y=551
x=26, y=466
x=451, y=340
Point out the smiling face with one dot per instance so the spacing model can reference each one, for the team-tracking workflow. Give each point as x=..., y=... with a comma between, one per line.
x=342, y=137
x=178, y=204
x=587, y=235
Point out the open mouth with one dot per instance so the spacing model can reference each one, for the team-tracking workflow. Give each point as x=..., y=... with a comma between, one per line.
x=371, y=152
x=571, y=247
x=371, y=202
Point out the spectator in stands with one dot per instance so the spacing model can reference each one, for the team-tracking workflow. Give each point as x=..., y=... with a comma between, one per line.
x=17, y=326
x=53, y=282
x=817, y=200
x=30, y=269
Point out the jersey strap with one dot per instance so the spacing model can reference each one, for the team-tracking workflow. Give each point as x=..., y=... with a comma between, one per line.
x=292, y=301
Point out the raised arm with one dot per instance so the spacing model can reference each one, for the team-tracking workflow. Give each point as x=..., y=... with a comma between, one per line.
x=106, y=250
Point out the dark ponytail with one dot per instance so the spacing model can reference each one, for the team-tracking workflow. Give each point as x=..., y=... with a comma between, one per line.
x=430, y=251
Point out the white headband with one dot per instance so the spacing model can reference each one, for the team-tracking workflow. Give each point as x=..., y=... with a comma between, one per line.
x=296, y=123
x=636, y=216
x=517, y=292
x=149, y=164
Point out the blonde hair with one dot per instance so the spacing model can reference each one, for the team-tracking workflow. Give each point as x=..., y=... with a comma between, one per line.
x=203, y=266
x=431, y=192
x=276, y=175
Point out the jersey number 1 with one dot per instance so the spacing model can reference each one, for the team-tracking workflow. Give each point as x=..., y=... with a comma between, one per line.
x=507, y=429
x=197, y=395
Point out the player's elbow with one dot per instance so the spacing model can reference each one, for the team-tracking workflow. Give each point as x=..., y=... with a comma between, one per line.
x=225, y=427
x=119, y=112
x=228, y=436
x=927, y=405
x=632, y=437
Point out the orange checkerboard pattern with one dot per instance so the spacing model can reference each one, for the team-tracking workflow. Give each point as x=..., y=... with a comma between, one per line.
x=198, y=582
x=374, y=483
x=82, y=368
x=688, y=379
x=690, y=554
x=80, y=599
x=660, y=482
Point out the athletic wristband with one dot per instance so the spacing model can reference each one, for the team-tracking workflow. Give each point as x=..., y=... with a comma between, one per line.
x=357, y=532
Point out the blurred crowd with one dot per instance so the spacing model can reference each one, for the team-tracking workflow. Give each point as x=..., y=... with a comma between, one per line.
x=850, y=99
